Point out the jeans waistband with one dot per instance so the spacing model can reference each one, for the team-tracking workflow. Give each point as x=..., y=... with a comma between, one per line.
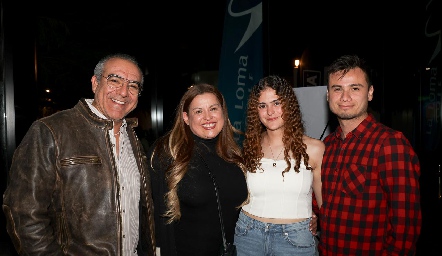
x=271, y=226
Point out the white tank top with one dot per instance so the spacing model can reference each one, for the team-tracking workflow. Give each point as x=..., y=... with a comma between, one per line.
x=274, y=196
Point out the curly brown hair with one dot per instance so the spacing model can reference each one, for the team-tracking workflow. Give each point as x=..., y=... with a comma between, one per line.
x=176, y=146
x=293, y=125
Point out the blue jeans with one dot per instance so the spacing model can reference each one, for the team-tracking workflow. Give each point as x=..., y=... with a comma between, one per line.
x=256, y=238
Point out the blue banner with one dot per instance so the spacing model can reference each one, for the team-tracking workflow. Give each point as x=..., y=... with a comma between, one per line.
x=241, y=61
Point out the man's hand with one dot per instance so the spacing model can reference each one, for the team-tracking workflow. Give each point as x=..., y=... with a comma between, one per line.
x=314, y=224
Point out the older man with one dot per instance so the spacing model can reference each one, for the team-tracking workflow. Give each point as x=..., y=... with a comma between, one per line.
x=78, y=183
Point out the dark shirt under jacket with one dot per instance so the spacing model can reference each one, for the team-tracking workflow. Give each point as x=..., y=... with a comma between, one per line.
x=198, y=232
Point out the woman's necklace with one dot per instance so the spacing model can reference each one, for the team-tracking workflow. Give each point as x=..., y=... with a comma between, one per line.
x=275, y=159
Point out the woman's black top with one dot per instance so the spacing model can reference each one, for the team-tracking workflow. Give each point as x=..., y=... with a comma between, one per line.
x=198, y=231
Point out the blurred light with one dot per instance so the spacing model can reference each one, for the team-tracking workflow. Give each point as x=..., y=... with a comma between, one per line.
x=295, y=72
x=48, y=91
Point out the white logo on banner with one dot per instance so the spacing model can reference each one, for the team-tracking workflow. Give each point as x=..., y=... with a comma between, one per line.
x=254, y=23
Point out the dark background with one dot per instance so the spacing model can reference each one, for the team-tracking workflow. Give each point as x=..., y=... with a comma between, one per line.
x=55, y=45
x=174, y=41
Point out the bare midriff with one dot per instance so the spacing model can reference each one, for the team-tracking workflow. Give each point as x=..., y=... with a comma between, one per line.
x=273, y=220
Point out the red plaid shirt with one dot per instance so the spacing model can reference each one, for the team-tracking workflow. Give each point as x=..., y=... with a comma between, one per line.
x=370, y=189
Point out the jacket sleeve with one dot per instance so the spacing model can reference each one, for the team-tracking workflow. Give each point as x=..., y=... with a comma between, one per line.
x=27, y=199
x=164, y=233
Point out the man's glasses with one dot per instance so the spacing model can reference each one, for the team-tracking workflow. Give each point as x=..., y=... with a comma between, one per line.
x=116, y=82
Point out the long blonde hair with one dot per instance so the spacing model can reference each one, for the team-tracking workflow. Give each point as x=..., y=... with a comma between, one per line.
x=175, y=147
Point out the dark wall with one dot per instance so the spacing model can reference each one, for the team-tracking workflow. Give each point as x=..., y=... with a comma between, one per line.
x=18, y=97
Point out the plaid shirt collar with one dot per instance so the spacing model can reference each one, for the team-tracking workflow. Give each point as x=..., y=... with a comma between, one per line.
x=360, y=130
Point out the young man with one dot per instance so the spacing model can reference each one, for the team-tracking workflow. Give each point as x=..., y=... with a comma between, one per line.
x=370, y=174
x=78, y=183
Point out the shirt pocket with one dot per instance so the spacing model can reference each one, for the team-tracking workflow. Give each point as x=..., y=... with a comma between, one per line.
x=354, y=180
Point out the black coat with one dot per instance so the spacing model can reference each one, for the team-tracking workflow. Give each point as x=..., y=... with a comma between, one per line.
x=198, y=231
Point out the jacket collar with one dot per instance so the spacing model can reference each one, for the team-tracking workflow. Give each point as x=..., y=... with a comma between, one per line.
x=84, y=109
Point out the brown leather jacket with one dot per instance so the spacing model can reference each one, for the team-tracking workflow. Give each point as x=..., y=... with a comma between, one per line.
x=62, y=194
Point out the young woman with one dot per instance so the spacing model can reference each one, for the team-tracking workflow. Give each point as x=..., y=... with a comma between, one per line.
x=283, y=172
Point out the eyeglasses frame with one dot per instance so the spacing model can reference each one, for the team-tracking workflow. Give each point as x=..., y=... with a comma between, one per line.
x=140, y=87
